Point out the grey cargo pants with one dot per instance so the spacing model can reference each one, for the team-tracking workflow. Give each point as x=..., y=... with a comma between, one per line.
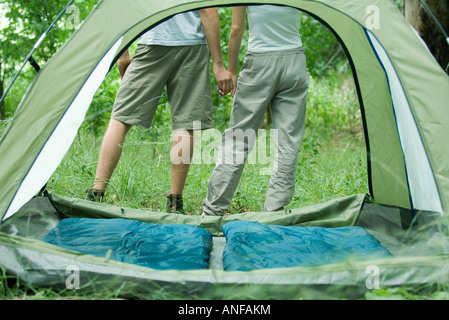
x=278, y=78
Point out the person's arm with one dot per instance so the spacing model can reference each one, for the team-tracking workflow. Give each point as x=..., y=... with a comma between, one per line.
x=211, y=26
x=123, y=62
x=235, y=42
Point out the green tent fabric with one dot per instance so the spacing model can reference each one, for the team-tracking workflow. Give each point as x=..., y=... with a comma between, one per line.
x=403, y=95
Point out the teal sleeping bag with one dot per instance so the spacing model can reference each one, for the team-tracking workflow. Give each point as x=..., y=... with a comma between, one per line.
x=253, y=245
x=157, y=246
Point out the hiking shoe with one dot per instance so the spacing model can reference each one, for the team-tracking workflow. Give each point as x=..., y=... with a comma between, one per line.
x=174, y=203
x=94, y=195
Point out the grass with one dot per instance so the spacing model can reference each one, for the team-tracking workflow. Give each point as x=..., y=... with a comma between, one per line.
x=142, y=177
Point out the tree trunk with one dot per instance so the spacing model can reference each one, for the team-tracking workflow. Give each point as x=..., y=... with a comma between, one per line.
x=426, y=27
x=411, y=12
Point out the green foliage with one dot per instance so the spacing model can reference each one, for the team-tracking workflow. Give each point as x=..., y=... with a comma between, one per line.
x=100, y=109
x=24, y=21
x=398, y=3
x=332, y=105
x=325, y=56
x=422, y=292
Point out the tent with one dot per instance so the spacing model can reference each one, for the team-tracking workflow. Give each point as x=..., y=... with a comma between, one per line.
x=403, y=95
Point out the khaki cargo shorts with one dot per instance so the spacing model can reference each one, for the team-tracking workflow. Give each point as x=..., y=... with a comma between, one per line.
x=185, y=70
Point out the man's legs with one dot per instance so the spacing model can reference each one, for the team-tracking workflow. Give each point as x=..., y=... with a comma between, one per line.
x=182, y=151
x=136, y=103
x=111, y=149
x=181, y=156
x=190, y=99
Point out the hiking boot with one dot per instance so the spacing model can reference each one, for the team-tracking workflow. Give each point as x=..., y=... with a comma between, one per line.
x=94, y=195
x=174, y=203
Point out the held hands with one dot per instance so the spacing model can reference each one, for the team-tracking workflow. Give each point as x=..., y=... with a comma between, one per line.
x=231, y=87
x=225, y=80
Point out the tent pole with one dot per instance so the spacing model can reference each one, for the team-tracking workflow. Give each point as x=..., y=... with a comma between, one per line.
x=426, y=7
x=29, y=57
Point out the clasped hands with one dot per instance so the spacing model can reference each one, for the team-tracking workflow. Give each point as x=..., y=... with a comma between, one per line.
x=226, y=81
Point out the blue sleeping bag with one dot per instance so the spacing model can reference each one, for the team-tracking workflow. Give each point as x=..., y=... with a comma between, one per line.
x=252, y=245
x=157, y=246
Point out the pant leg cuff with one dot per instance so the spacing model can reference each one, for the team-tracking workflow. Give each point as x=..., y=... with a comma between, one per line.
x=211, y=210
